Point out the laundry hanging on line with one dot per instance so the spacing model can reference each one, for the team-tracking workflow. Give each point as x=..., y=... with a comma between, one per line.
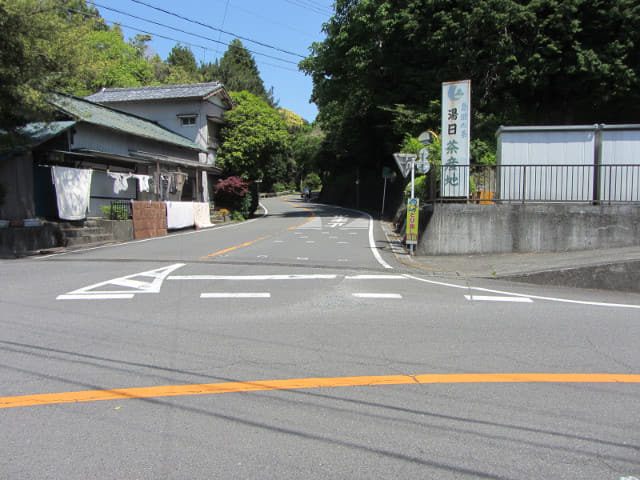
x=120, y=181
x=143, y=182
x=73, y=191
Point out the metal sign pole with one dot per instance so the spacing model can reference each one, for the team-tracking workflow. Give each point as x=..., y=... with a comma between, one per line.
x=384, y=196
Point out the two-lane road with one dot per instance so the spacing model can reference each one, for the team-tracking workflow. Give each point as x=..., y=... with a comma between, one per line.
x=295, y=346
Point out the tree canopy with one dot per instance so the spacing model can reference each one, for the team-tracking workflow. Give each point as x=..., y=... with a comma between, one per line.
x=237, y=70
x=378, y=73
x=253, y=134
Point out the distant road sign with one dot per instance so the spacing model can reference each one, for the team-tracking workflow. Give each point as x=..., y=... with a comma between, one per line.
x=404, y=161
x=427, y=138
x=422, y=164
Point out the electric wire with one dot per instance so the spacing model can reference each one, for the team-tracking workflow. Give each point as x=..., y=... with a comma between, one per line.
x=183, y=31
x=197, y=22
x=194, y=45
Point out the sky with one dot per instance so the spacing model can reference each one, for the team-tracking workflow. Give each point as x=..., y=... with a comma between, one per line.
x=278, y=33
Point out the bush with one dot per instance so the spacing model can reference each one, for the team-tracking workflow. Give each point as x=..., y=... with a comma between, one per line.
x=278, y=187
x=312, y=181
x=233, y=193
x=236, y=216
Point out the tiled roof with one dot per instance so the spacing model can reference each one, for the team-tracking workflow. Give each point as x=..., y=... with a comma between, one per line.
x=162, y=92
x=40, y=132
x=95, y=114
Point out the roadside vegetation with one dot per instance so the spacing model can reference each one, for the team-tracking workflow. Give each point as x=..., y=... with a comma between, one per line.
x=377, y=80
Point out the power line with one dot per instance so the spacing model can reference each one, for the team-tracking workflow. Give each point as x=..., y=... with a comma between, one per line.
x=185, y=32
x=311, y=6
x=158, y=35
x=168, y=12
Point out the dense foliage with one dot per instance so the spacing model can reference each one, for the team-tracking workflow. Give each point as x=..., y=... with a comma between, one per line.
x=65, y=46
x=378, y=74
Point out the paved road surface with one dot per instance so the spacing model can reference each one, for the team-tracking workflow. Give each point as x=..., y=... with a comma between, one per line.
x=296, y=346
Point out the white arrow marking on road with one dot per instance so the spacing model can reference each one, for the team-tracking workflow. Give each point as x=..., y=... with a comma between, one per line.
x=133, y=283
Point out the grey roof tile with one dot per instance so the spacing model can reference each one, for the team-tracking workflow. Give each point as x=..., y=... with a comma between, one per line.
x=161, y=92
x=96, y=114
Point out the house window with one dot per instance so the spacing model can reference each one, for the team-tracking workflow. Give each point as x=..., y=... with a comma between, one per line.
x=187, y=120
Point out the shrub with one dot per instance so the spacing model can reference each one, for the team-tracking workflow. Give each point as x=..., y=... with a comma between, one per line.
x=313, y=182
x=236, y=216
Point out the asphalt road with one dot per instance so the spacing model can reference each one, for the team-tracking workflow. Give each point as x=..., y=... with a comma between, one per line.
x=296, y=346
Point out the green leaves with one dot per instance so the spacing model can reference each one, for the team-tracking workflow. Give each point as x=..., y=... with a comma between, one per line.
x=253, y=132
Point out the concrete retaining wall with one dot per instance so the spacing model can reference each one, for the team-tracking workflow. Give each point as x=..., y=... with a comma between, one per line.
x=472, y=229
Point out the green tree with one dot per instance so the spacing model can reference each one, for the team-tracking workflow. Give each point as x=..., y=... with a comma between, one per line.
x=379, y=71
x=184, y=66
x=114, y=63
x=237, y=71
x=42, y=49
x=252, y=135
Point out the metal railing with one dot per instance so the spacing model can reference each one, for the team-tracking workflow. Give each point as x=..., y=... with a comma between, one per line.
x=594, y=184
x=120, y=210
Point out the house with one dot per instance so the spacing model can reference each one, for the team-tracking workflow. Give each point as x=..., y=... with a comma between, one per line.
x=195, y=111
x=129, y=158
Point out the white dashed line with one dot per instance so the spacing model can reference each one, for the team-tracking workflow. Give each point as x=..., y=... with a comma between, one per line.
x=487, y=298
x=236, y=295
x=384, y=296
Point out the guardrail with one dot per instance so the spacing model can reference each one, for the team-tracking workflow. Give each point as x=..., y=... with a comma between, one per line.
x=594, y=184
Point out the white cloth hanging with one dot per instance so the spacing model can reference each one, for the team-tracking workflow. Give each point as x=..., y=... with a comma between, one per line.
x=202, y=215
x=180, y=215
x=73, y=190
x=120, y=181
x=143, y=182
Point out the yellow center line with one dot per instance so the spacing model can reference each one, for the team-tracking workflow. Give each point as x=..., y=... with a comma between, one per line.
x=246, y=244
x=306, y=383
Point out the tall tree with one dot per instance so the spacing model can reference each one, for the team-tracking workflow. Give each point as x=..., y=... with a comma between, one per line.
x=237, y=70
x=253, y=134
x=184, y=65
x=379, y=70
x=42, y=48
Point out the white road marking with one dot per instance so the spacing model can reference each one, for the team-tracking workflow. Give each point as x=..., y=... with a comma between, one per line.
x=378, y=295
x=485, y=298
x=97, y=296
x=536, y=297
x=136, y=283
x=255, y=277
x=376, y=277
x=373, y=246
x=236, y=295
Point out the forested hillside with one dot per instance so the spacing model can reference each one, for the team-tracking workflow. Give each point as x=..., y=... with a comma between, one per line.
x=377, y=76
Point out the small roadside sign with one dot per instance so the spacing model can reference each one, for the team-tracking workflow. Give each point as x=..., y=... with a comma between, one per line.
x=422, y=164
x=404, y=161
x=413, y=209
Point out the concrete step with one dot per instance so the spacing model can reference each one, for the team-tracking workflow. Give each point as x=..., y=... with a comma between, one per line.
x=88, y=239
x=80, y=232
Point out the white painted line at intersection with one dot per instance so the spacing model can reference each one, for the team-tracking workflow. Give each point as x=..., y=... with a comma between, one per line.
x=388, y=296
x=97, y=296
x=376, y=277
x=488, y=298
x=236, y=295
x=255, y=277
